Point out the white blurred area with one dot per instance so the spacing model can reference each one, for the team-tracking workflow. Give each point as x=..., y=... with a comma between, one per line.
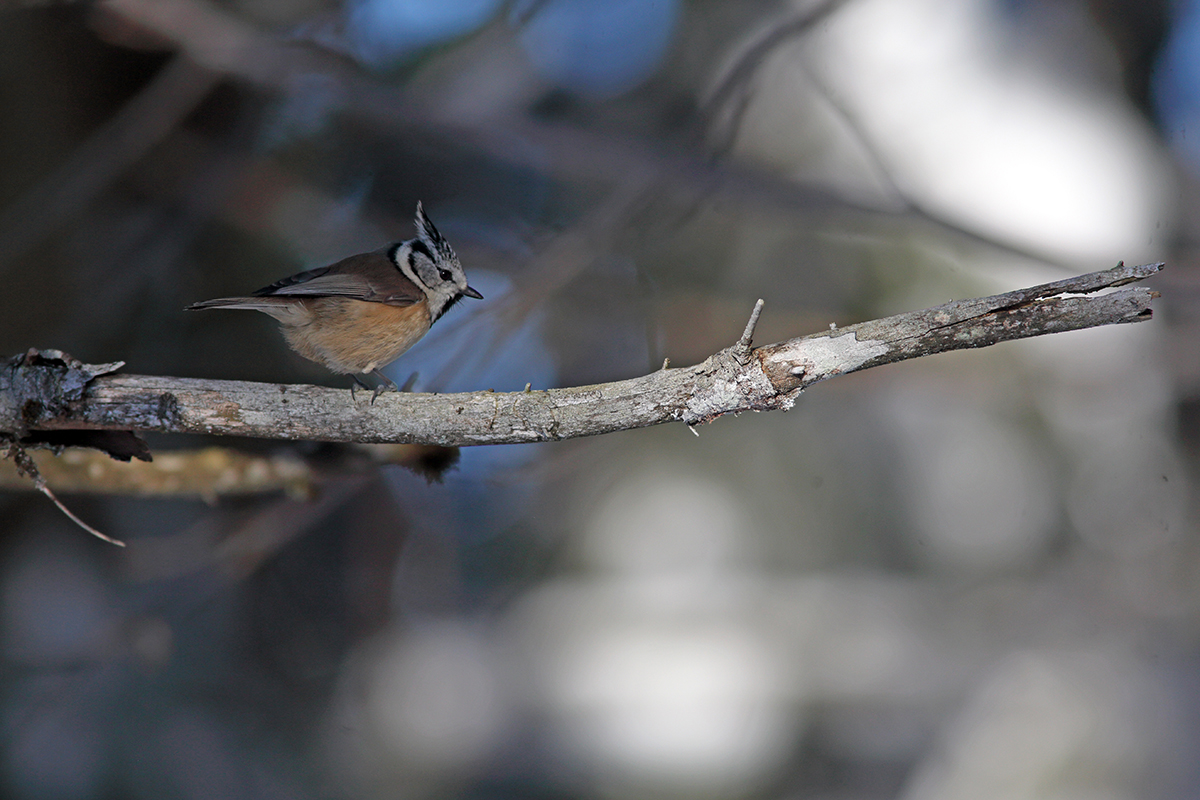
x=1047, y=724
x=933, y=99
x=650, y=666
x=669, y=660
x=980, y=491
x=417, y=710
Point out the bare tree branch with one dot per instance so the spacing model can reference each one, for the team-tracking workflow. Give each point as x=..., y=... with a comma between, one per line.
x=733, y=380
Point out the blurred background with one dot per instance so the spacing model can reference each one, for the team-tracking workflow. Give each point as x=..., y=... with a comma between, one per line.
x=975, y=575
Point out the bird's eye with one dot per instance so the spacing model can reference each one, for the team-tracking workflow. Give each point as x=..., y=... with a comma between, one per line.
x=445, y=274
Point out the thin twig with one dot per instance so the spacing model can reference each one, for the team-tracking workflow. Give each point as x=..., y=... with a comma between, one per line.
x=44, y=489
x=748, y=334
x=26, y=466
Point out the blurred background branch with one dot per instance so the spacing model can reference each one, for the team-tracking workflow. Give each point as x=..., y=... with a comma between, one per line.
x=142, y=123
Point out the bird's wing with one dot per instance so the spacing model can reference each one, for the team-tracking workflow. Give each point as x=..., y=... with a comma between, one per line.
x=369, y=276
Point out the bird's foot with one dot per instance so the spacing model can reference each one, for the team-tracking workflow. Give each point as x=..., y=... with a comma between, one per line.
x=386, y=384
x=358, y=384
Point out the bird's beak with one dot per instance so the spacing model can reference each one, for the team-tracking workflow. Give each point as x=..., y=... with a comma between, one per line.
x=469, y=292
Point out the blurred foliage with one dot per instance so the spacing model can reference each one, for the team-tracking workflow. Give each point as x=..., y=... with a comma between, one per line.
x=973, y=575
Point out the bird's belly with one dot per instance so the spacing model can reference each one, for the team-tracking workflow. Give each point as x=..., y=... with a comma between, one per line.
x=350, y=336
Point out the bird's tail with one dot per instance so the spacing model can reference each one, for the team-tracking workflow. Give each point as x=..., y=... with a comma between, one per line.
x=228, y=302
x=282, y=308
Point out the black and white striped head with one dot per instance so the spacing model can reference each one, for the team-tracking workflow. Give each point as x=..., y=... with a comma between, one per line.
x=430, y=263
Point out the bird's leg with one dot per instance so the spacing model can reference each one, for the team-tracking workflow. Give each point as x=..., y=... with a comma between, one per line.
x=358, y=383
x=410, y=383
x=387, y=383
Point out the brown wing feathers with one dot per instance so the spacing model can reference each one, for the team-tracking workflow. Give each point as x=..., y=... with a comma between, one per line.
x=368, y=276
x=371, y=277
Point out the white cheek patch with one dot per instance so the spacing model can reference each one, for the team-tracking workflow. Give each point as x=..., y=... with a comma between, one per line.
x=402, y=259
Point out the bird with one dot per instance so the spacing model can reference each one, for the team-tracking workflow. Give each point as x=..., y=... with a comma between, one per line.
x=365, y=311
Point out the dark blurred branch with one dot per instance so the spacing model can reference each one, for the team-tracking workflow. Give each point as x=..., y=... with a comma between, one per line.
x=208, y=473
x=139, y=125
x=734, y=380
x=732, y=91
